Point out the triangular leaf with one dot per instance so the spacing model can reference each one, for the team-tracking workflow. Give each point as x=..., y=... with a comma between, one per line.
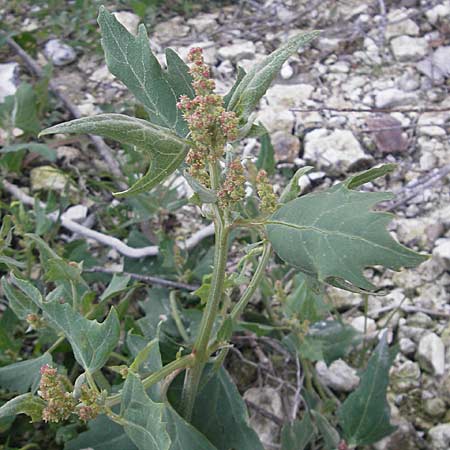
x=23, y=376
x=224, y=430
x=143, y=418
x=292, y=190
x=364, y=416
x=335, y=235
x=18, y=301
x=24, y=404
x=329, y=434
x=256, y=82
x=164, y=149
x=131, y=60
x=102, y=434
x=297, y=435
x=266, y=157
x=24, y=114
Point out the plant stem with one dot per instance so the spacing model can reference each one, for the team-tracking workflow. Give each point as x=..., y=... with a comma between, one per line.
x=254, y=283
x=176, y=316
x=180, y=363
x=200, y=350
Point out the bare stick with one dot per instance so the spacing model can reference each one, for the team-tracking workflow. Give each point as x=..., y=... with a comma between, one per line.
x=105, y=239
x=103, y=149
x=371, y=110
x=145, y=278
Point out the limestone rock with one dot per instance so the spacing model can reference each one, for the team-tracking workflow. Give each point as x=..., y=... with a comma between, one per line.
x=337, y=151
x=237, y=51
x=129, y=20
x=8, y=79
x=440, y=12
x=431, y=354
x=276, y=120
x=442, y=252
x=204, y=23
x=269, y=399
x=358, y=324
x=59, y=53
x=171, y=29
x=440, y=436
x=288, y=96
x=47, y=178
x=399, y=24
x=436, y=67
x=407, y=48
x=339, y=376
x=406, y=376
x=389, y=98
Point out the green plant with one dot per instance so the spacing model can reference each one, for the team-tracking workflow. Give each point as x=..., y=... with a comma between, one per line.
x=190, y=402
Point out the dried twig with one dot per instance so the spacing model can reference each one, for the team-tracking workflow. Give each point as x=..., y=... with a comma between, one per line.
x=371, y=110
x=145, y=278
x=105, y=239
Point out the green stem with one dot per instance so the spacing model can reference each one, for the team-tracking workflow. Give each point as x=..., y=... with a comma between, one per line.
x=176, y=316
x=180, y=363
x=254, y=283
x=200, y=350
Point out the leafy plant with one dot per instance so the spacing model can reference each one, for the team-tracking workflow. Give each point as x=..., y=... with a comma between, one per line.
x=170, y=390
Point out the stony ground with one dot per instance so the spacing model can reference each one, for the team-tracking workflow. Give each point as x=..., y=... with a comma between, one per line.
x=373, y=88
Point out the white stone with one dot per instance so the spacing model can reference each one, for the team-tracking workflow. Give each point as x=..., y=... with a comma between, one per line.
x=407, y=346
x=436, y=67
x=58, y=53
x=407, y=48
x=8, y=82
x=389, y=98
x=172, y=29
x=204, y=23
x=328, y=44
x=237, y=51
x=47, y=178
x=339, y=376
x=405, y=376
x=76, y=213
x=276, y=120
x=102, y=75
x=431, y=354
x=129, y=20
x=286, y=71
x=358, y=324
x=337, y=151
x=209, y=51
x=440, y=436
x=268, y=399
x=288, y=96
x=442, y=252
x=439, y=12
x=400, y=25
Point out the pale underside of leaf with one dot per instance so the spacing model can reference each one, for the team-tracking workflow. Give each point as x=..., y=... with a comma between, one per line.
x=335, y=235
x=164, y=150
x=255, y=83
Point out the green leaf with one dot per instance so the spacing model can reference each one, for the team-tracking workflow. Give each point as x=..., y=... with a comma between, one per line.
x=60, y=270
x=23, y=376
x=256, y=82
x=334, y=235
x=24, y=114
x=11, y=262
x=228, y=430
x=307, y=347
x=364, y=416
x=131, y=60
x=337, y=338
x=18, y=301
x=292, y=190
x=240, y=76
x=182, y=434
x=330, y=436
x=117, y=285
x=102, y=434
x=24, y=404
x=266, y=158
x=297, y=435
x=91, y=342
x=306, y=301
x=165, y=150
x=41, y=149
x=143, y=418
x=364, y=177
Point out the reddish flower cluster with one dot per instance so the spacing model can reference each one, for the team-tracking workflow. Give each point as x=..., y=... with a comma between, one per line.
x=265, y=193
x=210, y=125
x=89, y=408
x=233, y=189
x=60, y=403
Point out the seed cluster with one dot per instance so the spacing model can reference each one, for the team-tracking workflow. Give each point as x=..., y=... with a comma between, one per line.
x=61, y=403
x=265, y=193
x=211, y=126
x=233, y=189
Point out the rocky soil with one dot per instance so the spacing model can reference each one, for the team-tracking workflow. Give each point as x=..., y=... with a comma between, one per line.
x=373, y=88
